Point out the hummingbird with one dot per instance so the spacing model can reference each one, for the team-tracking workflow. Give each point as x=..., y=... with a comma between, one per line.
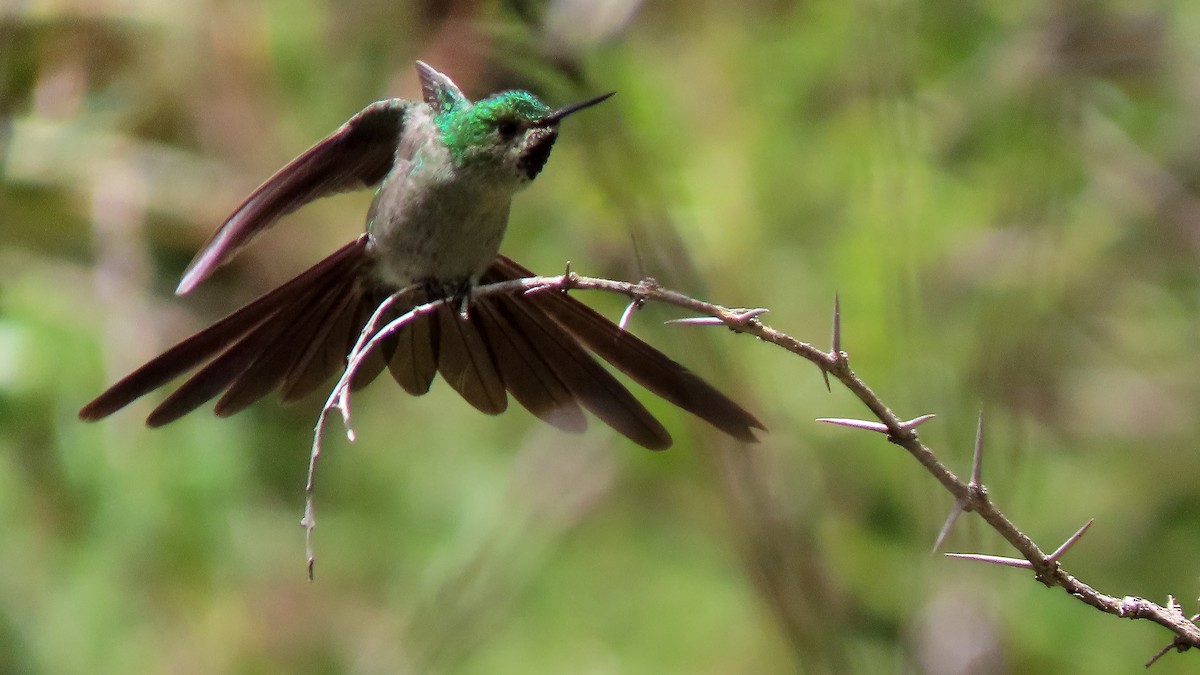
x=445, y=170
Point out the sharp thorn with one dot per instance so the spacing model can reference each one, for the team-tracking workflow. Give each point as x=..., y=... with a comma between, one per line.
x=917, y=421
x=624, y=322
x=855, y=424
x=977, y=460
x=542, y=288
x=955, y=512
x=1162, y=652
x=992, y=559
x=746, y=316
x=696, y=321
x=1071, y=541
x=835, y=341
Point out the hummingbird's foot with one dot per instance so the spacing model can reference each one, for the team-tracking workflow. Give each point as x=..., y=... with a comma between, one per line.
x=464, y=301
x=456, y=292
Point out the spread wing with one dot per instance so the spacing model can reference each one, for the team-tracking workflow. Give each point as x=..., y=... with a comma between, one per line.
x=358, y=155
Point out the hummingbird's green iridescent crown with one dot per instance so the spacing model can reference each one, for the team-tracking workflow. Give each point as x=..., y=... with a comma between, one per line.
x=467, y=127
x=499, y=117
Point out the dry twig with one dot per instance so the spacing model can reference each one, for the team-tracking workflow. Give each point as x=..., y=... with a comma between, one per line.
x=969, y=496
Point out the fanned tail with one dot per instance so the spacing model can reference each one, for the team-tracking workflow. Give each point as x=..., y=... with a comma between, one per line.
x=534, y=347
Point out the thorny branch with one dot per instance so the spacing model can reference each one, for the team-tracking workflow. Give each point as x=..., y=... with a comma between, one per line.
x=969, y=496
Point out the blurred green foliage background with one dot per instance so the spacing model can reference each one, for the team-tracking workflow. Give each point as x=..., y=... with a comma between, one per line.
x=1003, y=193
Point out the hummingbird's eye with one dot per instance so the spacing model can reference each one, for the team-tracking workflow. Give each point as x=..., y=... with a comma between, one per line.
x=507, y=129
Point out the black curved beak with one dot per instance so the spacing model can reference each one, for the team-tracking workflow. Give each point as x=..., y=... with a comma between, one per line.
x=556, y=116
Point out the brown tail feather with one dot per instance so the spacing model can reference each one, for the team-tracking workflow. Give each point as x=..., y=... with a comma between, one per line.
x=295, y=330
x=526, y=374
x=202, y=346
x=466, y=362
x=591, y=384
x=329, y=355
x=315, y=360
x=257, y=363
x=220, y=373
x=414, y=361
x=644, y=364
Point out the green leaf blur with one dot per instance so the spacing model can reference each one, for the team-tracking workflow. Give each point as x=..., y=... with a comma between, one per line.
x=1004, y=194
